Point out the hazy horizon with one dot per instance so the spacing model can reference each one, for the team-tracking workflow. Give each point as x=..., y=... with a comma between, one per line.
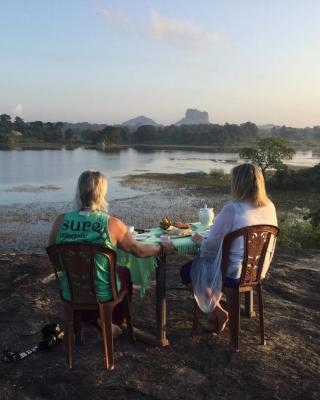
x=161, y=124
x=101, y=61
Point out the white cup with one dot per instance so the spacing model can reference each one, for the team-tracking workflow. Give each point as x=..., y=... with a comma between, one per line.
x=165, y=239
x=131, y=230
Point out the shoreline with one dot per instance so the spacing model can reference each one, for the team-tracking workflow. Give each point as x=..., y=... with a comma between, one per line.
x=26, y=229
x=161, y=146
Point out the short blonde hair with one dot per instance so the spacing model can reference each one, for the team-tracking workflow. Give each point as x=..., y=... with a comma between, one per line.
x=91, y=191
x=248, y=184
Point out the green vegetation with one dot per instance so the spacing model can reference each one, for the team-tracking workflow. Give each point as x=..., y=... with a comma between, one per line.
x=216, y=181
x=206, y=134
x=17, y=132
x=300, y=228
x=307, y=136
x=306, y=179
x=268, y=153
x=296, y=232
x=227, y=136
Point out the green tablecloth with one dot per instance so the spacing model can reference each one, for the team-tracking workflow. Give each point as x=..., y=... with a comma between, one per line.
x=142, y=269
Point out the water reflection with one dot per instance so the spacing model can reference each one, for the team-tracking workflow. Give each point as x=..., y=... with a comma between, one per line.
x=61, y=169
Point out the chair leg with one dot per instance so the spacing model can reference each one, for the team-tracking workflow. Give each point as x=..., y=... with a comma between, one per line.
x=233, y=301
x=68, y=333
x=196, y=314
x=77, y=327
x=106, y=325
x=261, y=316
x=127, y=313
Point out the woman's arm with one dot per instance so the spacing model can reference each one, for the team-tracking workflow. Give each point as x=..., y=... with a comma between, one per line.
x=121, y=237
x=222, y=226
x=55, y=229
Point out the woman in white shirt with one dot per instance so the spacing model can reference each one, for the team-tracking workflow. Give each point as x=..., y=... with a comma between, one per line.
x=251, y=206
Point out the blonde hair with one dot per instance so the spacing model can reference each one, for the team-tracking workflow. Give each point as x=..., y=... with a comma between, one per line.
x=248, y=184
x=91, y=191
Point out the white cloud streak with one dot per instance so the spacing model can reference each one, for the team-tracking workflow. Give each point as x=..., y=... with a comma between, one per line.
x=179, y=32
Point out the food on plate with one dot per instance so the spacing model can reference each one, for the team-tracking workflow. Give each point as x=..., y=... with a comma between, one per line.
x=165, y=223
x=181, y=225
x=168, y=225
x=176, y=232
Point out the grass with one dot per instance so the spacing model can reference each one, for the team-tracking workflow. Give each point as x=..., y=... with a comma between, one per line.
x=216, y=181
x=291, y=205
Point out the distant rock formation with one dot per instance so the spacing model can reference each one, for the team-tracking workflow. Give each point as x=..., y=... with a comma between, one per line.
x=268, y=127
x=194, y=117
x=139, y=121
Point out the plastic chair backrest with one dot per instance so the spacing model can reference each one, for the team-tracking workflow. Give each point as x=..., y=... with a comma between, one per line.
x=256, y=243
x=77, y=262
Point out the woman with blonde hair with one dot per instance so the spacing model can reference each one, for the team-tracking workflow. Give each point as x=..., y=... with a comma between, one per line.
x=90, y=222
x=250, y=206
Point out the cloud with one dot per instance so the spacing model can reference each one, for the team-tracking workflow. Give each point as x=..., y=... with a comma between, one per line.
x=18, y=109
x=115, y=17
x=179, y=32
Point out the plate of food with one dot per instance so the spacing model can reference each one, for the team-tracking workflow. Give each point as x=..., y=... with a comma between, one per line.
x=167, y=224
x=176, y=233
x=142, y=237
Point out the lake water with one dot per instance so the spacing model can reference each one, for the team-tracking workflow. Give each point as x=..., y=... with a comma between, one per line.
x=24, y=172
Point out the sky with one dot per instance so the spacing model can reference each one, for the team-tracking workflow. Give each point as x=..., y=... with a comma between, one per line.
x=107, y=61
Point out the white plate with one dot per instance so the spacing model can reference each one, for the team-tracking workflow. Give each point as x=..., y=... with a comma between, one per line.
x=141, y=238
x=180, y=236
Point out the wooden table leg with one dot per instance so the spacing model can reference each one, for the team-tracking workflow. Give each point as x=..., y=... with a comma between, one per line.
x=248, y=301
x=161, y=302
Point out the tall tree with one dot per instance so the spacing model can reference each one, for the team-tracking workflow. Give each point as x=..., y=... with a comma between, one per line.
x=69, y=135
x=5, y=123
x=53, y=132
x=268, y=153
x=110, y=135
x=146, y=134
x=19, y=125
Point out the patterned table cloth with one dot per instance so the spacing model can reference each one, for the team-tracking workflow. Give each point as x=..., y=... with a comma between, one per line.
x=142, y=269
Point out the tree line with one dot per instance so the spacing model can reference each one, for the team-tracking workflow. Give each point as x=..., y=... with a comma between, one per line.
x=14, y=132
x=18, y=131
x=296, y=134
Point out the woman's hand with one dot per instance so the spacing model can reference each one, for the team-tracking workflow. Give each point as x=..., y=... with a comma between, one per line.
x=197, y=238
x=168, y=248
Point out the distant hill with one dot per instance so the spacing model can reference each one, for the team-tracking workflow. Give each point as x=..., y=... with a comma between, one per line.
x=139, y=121
x=267, y=127
x=194, y=117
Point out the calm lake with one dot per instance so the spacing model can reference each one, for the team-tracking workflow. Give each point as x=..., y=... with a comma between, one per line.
x=50, y=175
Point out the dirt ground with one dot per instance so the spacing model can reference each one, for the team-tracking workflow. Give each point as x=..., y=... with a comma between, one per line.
x=286, y=368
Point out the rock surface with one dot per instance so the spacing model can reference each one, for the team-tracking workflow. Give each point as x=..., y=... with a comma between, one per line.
x=196, y=174
x=287, y=367
x=140, y=121
x=194, y=117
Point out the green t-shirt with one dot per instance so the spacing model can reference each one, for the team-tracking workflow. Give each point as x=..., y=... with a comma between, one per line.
x=88, y=227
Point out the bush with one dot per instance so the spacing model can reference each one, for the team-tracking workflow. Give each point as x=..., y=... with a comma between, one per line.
x=306, y=179
x=217, y=173
x=219, y=181
x=295, y=232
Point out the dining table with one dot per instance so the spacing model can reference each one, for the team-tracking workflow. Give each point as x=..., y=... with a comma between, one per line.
x=144, y=270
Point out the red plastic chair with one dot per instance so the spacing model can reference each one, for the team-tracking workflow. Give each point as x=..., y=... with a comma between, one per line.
x=77, y=262
x=256, y=243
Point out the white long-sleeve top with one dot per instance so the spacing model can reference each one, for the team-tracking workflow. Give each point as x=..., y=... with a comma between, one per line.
x=233, y=216
x=205, y=272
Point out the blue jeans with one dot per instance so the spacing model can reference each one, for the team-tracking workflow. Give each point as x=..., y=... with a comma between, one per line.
x=186, y=278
